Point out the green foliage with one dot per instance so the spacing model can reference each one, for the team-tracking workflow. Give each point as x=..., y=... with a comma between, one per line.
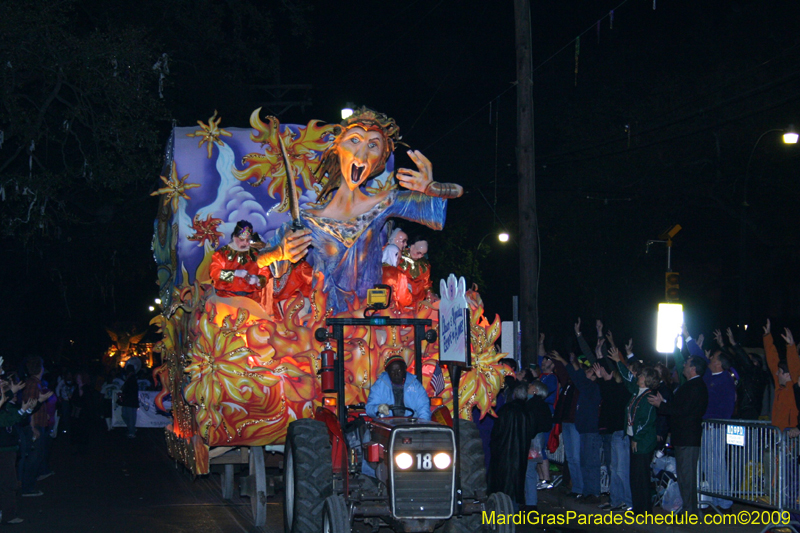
x=79, y=113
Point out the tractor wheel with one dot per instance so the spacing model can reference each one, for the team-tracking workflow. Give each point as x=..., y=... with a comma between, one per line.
x=473, y=476
x=473, y=468
x=335, y=515
x=501, y=504
x=308, y=474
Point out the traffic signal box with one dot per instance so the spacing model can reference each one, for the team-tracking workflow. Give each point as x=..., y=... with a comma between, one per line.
x=672, y=284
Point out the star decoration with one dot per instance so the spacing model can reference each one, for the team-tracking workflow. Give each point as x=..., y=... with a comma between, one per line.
x=210, y=133
x=175, y=188
x=206, y=230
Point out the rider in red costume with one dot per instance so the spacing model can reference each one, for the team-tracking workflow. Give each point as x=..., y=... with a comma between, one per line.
x=234, y=267
x=418, y=269
x=240, y=267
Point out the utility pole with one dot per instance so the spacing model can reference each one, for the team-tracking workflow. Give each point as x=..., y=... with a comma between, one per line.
x=526, y=178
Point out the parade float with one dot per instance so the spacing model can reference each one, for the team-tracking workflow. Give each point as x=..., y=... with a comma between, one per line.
x=240, y=368
x=126, y=343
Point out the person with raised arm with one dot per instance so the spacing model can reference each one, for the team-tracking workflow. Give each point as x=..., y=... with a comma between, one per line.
x=587, y=416
x=685, y=411
x=753, y=378
x=785, y=373
x=640, y=423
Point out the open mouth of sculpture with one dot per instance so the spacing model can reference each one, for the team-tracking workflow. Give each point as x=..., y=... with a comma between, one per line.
x=356, y=172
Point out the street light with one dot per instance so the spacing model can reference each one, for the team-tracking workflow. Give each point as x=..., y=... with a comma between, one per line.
x=347, y=110
x=670, y=320
x=789, y=137
x=502, y=237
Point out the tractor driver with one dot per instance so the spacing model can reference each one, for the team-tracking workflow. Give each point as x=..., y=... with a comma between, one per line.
x=396, y=387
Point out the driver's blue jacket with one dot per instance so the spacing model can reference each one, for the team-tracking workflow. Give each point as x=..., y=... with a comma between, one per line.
x=414, y=396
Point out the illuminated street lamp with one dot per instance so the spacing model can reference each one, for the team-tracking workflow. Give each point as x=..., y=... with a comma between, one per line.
x=347, y=110
x=670, y=321
x=789, y=137
x=151, y=308
x=502, y=237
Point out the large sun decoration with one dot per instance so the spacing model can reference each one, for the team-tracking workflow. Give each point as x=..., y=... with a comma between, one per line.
x=210, y=133
x=304, y=147
x=175, y=188
x=206, y=230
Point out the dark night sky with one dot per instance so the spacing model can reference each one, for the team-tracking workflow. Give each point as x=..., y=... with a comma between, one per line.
x=657, y=131
x=695, y=82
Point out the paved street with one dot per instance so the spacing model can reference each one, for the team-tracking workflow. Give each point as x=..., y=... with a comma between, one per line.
x=122, y=485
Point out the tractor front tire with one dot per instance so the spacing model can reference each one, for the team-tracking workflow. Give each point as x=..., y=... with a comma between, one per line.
x=473, y=476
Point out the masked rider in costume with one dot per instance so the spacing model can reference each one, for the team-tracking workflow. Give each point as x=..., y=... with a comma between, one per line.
x=239, y=267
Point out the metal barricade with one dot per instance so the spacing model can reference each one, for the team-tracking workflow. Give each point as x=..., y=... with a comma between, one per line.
x=749, y=462
x=558, y=456
x=791, y=453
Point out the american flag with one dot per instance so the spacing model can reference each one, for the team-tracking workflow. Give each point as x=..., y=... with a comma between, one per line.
x=437, y=380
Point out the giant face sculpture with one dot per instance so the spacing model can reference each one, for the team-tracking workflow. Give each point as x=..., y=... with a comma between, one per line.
x=360, y=154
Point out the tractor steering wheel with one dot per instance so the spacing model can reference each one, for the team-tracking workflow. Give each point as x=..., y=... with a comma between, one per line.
x=393, y=407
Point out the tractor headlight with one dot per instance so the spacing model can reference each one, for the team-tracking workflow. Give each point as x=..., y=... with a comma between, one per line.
x=441, y=460
x=403, y=460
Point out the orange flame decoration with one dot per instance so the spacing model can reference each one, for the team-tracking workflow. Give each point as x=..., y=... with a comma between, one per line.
x=249, y=378
x=303, y=150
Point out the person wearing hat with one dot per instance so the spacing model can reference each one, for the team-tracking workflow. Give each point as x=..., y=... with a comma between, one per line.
x=397, y=387
x=237, y=269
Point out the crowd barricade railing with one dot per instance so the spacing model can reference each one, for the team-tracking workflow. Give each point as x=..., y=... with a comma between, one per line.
x=750, y=462
x=791, y=447
x=558, y=456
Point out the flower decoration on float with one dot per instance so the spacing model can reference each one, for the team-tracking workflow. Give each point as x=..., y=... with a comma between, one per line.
x=219, y=374
x=210, y=133
x=175, y=188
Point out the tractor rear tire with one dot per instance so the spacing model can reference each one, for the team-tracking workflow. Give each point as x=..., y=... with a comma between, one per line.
x=473, y=467
x=308, y=475
x=473, y=477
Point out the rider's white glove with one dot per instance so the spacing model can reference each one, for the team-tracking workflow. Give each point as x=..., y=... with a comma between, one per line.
x=383, y=409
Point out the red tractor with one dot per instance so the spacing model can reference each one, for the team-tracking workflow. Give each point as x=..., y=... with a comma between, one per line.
x=410, y=474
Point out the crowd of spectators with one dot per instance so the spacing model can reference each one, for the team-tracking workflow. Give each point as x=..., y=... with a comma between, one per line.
x=605, y=398
x=37, y=406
